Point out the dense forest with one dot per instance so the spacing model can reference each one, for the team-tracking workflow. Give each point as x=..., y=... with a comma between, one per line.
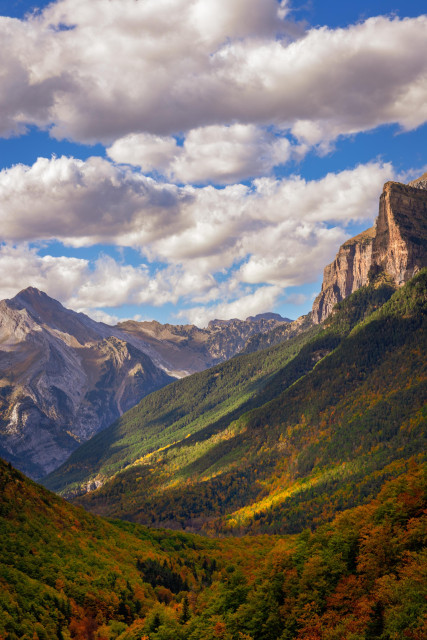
x=66, y=574
x=327, y=418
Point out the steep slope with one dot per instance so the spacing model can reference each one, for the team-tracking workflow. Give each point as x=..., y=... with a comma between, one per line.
x=67, y=574
x=346, y=274
x=396, y=248
x=62, y=379
x=199, y=404
x=400, y=245
x=332, y=424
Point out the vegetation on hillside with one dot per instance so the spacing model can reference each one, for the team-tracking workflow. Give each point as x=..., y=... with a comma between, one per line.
x=68, y=575
x=332, y=425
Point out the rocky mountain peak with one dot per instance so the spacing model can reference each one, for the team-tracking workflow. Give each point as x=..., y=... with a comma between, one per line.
x=49, y=312
x=396, y=246
x=419, y=183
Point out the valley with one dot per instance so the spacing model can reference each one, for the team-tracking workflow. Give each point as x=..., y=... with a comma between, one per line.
x=276, y=491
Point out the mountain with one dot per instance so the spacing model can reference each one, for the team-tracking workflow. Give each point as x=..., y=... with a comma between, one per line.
x=64, y=377
x=395, y=247
x=67, y=574
x=234, y=450
x=185, y=349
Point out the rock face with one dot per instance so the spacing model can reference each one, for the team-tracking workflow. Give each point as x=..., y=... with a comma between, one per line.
x=62, y=379
x=396, y=247
x=347, y=273
x=400, y=246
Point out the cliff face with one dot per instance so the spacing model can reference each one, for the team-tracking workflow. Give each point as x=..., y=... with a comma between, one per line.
x=400, y=245
x=347, y=273
x=396, y=247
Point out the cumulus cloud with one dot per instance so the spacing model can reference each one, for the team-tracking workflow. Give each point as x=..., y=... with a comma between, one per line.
x=215, y=154
x=260, y=301
x=269, y=225
x=270, y=235
x=126, y=67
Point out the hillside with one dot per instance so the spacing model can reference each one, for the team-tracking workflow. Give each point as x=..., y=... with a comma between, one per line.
x=343, y=414
x=204, y=402
x=65, y=574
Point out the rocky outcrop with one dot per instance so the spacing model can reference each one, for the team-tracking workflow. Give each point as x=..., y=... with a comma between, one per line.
x=396, y=248
x=400, y=246
x=347, y=273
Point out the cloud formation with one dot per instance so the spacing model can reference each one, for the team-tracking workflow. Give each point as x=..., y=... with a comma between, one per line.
x=125, y=67
x=214, y=154
x=199, y=246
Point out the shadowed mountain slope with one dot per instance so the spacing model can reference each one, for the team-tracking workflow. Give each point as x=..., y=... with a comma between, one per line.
x=330, y=423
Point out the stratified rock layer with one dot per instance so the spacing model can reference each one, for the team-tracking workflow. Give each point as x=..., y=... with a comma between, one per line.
x=395, y=248
x=400, y=246
x=347, y=273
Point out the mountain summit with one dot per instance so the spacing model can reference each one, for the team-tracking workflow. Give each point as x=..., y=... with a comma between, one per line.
x=395, y=248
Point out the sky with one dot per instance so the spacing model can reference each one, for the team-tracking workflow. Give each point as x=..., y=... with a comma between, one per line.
x=185, y=160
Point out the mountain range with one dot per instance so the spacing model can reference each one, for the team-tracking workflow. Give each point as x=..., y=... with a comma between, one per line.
x=270, y=441
x=311, y=438
x=64, y=377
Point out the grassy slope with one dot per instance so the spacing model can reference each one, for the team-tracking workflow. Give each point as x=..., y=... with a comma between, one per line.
x=324, y=443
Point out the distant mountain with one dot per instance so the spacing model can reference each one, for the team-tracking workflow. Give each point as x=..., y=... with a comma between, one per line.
x=185, y=349
x=64, y=377
x=396, y=247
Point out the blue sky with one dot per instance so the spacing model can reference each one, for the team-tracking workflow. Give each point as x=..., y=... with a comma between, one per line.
x=190, y=160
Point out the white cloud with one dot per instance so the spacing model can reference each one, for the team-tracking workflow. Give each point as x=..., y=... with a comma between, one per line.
x=164, y=67
x=215, y=154
x=146, y=151
x=279, y=233
x=270, y=227
x=262, y=300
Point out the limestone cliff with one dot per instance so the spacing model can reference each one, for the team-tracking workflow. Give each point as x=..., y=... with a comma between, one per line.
x=400, y=246
x=395, y=247
x=347, y=273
